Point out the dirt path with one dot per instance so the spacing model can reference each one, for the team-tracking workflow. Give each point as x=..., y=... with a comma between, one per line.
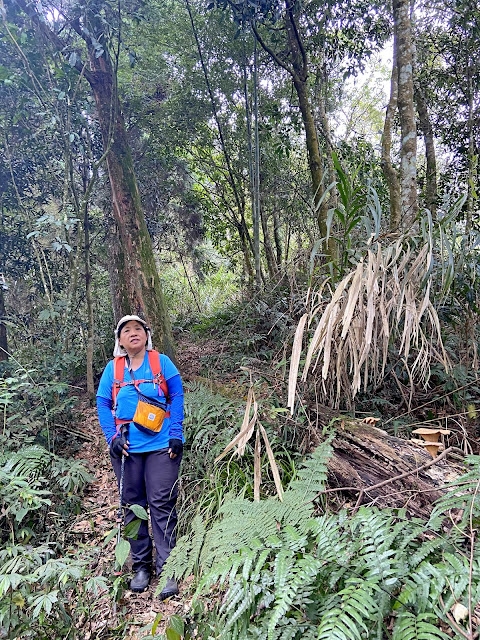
x=98, y=515
x=99, y=510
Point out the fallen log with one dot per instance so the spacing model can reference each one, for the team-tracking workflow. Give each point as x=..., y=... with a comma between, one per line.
x=370, y=466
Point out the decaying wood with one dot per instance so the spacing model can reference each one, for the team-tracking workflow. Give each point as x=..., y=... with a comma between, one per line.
x=371, y=466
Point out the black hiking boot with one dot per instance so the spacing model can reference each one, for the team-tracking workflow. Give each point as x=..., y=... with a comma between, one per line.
x=140, y=581
x=169, y=590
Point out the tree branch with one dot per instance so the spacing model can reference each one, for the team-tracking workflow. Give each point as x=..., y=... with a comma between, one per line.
x=57, y=42
x=272, y=53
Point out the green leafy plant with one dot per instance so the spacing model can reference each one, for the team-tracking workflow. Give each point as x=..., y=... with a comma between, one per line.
x=277, y=571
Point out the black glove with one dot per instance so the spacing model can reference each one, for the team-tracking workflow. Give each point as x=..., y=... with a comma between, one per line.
x=176, y=446
x=116, y=446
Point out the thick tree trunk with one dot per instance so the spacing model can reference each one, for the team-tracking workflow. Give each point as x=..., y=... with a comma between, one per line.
x=388, y=169
x=313, y=150
x=408, y=152
x=3, y=327
x=136, y=271
x=299, y=74
x=431, y=194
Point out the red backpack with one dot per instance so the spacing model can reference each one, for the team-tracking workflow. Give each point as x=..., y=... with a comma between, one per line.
x=118, y=383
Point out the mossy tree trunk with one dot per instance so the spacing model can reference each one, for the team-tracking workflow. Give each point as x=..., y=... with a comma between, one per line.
x=138, y=287
x=389, y=171
x=3, y=328
x=408, y=150
x=431, y=191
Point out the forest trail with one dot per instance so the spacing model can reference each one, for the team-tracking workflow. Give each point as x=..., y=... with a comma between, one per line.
x=97, y=519
x=99, y=511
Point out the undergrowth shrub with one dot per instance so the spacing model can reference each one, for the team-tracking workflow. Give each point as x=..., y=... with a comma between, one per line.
x=44, y=585
x=275, y=570
x=211, y=421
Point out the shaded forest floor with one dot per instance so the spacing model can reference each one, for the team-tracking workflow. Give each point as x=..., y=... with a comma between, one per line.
x=99, y=511
x=208, y=359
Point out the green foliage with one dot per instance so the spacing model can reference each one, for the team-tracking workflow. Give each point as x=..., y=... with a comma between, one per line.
x=279, y=572
x=45, y=586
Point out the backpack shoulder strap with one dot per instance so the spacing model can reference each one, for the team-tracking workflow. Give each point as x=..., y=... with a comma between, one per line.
x=156, y=367
x=118, y=373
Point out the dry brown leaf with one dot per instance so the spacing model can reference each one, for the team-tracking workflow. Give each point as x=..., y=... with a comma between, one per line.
x=257, y=471
x=273, y=464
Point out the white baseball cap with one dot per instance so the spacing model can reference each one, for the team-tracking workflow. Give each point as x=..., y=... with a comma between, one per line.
x=120, y=351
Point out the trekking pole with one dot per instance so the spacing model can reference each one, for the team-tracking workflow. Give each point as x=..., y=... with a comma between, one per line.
x=120, y=509
x=120, y=512
x=120, y=490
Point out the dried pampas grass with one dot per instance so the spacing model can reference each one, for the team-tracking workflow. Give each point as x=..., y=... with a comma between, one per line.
x=385, y=300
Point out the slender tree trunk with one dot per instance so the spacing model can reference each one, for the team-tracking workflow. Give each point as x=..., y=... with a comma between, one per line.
x=245, y=241
x=271, y=265
x=276, y=234
x=431, y=193
x=408, y=152
x=89, y=303
x=3, y=327
x=298, y=71
x=388, y=169
x=472, y=157
x=324, y=127
x=256, y=174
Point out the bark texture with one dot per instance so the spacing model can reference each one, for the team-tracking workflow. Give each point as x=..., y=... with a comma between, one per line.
x=389, y=171
x=431, y=193
x=408, y=150
x=135, y=271
x=365, y=456
x=3, y=328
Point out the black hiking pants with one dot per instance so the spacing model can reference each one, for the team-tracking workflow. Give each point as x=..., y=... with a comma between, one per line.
x=151, y=479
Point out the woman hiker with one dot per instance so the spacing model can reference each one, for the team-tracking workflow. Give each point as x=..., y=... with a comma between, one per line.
x=140, y=409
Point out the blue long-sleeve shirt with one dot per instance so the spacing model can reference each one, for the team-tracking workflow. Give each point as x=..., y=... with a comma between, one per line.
x=127, y=400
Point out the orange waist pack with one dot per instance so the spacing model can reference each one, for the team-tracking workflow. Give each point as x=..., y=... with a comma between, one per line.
x=149, y=415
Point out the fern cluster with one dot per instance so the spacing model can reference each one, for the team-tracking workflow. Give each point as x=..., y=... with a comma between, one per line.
x=41, y=580
x=279, y=573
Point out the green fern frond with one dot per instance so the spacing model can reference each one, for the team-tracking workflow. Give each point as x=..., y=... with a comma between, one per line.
x=463, y=495
x=297, y=580
x=185, y=556
x=312, y=476
x=29, y=462
x=409, y=626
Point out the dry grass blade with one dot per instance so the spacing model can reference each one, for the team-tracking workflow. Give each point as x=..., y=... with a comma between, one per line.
x=319, y=335
x=243, y=441
x=273, y=464
x=248, y=429
x=295, y=361
x=257, y=469
x=384, y=300
x=353, y=294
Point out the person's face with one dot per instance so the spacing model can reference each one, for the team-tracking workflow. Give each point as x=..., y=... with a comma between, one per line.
x=133, y=337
